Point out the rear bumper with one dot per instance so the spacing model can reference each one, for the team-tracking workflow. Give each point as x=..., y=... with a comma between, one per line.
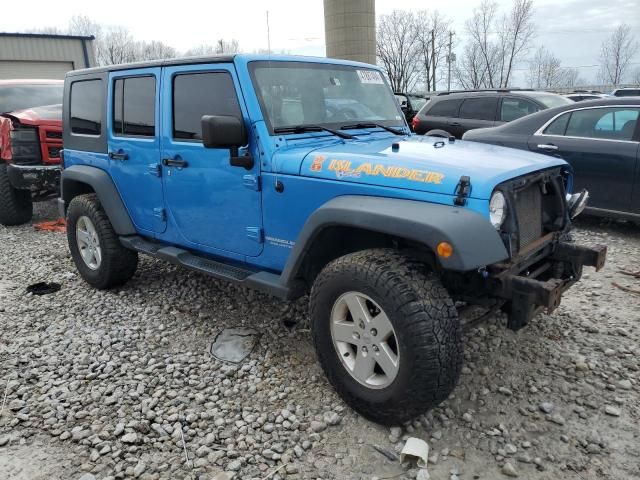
x=34, y=177
x=538, y=284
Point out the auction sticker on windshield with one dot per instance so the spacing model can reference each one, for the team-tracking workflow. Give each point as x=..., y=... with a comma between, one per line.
x=370, y=76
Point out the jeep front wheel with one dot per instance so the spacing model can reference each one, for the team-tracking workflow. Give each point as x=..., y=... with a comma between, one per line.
x=96, y=250
x=16, y=206
x=387, y=334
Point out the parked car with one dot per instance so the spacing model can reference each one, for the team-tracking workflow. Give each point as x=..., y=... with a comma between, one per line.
x=384, y=229
x=626, y=92
x=30, y=145
x=410, y=104
x=599, y=138
x=580, y=96
x=454, y=113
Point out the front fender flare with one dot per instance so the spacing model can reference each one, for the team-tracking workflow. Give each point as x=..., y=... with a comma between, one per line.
x=105, y=189
x=476, y=243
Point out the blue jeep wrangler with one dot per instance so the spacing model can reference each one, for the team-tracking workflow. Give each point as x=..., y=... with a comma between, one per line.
x=299, y=175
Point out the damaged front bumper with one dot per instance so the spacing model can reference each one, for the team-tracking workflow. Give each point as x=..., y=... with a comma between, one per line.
x=537, y=279
x=36, y=178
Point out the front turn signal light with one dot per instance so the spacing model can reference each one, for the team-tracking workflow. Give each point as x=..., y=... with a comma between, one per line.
x=444, y=249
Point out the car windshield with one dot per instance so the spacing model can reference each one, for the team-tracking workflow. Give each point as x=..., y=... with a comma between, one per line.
x=550, y=100
x=298, y=94
x=417, y=102
x=19, y=97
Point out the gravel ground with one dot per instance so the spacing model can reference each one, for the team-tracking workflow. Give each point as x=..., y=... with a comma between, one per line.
x=120, y=384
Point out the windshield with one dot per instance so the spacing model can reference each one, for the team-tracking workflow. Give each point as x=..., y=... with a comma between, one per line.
x=550, y=100
x=298, y=93
x=417, y=102
x=19, y=97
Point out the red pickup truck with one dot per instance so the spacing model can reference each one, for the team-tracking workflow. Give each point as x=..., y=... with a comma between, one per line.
x=30, y=146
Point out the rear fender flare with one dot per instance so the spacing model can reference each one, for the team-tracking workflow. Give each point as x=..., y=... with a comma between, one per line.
x=73, y=182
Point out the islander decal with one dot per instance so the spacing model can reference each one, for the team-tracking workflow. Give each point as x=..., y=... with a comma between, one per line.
x=343, y=169
x=316, y=166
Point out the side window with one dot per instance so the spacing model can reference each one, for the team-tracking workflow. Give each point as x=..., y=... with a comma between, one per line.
x=134, y=106
x=481, y=108
x=514, y=108
x=199, y=94
x=445, y=108
x=558, y=126
x=605, y=123
x=85, y=110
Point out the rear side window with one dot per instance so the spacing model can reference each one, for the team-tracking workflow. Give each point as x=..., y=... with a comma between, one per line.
x=629, y=92
x=445, y=108
x=134, y=102
x=558, y=126
x=514, y=108
x=603, y=123
x=482, y=108
x=199, y=94
x=86, y=107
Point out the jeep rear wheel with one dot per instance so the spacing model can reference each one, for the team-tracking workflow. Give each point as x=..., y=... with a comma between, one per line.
x=387, y=334
x=96, y=250
x=16, y=206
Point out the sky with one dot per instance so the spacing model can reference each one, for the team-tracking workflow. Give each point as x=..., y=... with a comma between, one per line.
x=572, y=29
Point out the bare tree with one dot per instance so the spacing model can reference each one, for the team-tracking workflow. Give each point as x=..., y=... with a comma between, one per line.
x=432, y=50
x=397, y=49
x=85, y=26
x=222, y=46
x=545, y=70
x=470, y=69
x=154, y=50
x=636, y=77
x=498, y=42
x=616, y=53
x=572, y=78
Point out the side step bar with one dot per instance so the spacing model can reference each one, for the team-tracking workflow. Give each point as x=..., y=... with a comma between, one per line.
x=264, y=281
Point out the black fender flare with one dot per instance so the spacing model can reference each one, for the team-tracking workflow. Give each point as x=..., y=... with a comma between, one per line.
x=75, y=176
x=476, y=243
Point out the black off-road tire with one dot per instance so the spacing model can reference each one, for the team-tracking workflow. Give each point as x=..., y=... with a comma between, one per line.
x=118, y=263
x=426, y=325
x=16, y=206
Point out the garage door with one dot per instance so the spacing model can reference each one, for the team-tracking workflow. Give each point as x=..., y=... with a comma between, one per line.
x=27, y=69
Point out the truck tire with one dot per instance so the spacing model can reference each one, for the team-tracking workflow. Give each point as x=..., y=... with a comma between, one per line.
x=16, y=206
x=400, y=353
x=95, y=247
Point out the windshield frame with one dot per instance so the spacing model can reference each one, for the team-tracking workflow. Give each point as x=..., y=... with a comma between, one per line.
x=255, y=64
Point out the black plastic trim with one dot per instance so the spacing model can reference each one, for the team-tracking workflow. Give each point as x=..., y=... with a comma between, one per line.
x=475, y=242
x=103, y=186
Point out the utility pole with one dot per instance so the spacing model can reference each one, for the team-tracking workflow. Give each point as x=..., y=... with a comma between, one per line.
x=449, y=60
x=268, y=35
x=433, y=57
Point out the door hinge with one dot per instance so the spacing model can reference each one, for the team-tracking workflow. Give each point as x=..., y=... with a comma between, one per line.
x=255, y=234
x=463, y=189
x=252, y=182
x=160, y=214
x=155, y=169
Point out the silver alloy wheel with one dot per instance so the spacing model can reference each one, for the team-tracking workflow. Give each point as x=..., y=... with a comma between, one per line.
x=365, y=340
x=88, y=243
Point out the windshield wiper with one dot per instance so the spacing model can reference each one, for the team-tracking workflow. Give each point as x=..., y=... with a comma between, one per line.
x=312, y=128
x=372, y=125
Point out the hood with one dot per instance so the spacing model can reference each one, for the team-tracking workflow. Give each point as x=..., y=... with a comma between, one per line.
x=414, y=162
x=48, y=115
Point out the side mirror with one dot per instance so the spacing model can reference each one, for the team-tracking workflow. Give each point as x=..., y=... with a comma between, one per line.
x=223, y=131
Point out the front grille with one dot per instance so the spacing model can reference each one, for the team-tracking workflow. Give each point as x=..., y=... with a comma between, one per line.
x=529, y=213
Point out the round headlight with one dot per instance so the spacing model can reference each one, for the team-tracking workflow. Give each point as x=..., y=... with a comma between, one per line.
x=497, y=209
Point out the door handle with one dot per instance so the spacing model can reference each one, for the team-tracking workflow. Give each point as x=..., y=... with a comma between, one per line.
x=174, y=162
x=548, y=146
x=454, y=124
x=118, y=156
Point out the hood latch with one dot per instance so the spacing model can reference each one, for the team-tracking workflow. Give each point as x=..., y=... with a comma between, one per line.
x=462, y=191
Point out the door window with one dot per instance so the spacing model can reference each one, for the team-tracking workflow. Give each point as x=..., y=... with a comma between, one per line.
x=482, y=108
x=85, y=109
x=603, y=123
x=199, y=94
x=134, y=102
x=514, y=108
x=445, y=108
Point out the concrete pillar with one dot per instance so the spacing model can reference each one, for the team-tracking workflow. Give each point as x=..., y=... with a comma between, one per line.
x=350, y=29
